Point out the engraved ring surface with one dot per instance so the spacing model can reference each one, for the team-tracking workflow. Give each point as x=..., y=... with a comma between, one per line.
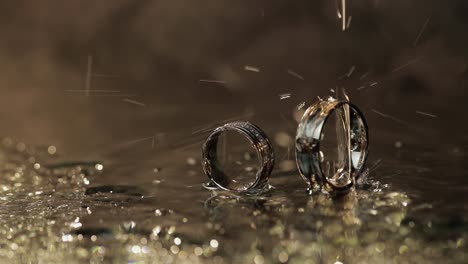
x=308, y=138
x=259, y=141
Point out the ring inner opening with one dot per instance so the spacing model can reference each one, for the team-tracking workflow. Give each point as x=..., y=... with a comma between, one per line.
x=238, y=160
x=334, y=155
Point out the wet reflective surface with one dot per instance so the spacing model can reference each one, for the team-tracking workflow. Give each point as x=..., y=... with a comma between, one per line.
x=63, y=211
x=116, y=177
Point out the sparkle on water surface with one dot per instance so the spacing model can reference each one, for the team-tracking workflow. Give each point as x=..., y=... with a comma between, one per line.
x=50, y=215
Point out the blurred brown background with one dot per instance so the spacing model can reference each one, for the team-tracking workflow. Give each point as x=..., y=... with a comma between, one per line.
x=403, y=56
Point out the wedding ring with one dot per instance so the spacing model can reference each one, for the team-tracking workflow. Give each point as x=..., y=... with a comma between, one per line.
x=352, y=153
x=260, y=143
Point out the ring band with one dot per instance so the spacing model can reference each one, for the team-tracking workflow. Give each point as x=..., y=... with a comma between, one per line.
x=308, y=138
x=259, y=141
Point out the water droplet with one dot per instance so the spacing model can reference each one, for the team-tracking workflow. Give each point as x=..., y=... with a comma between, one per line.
x=14, y=246
x=283, y=139
x=20, y=146
x=300, y=106
x=198, y=251
x=175, y=249
x=67, y=238
x=259, y=259
x=99, y=167
x=283, y=257
x=51, y=150
x=214, y=243
x=136, y=249
x=76, y=223
x=191, y=161
x=128, y=226
x=398, y=144
x=403, y=249
x=155, y=182
x=171, y=230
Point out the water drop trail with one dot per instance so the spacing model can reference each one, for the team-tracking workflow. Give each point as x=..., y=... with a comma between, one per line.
x=389, y=116
x=295, y=74
x=133, y=102
x=251, y=68
x=415, y=43
x=406, y=64
x=426, y=114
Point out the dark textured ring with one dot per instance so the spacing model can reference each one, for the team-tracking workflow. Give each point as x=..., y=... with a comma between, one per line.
x=353, y=154
x=259, y=141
